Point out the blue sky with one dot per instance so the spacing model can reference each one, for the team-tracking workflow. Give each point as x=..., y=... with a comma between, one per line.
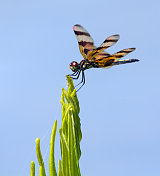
x=120, y=110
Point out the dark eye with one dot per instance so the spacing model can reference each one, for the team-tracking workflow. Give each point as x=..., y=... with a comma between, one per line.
x=74, y=64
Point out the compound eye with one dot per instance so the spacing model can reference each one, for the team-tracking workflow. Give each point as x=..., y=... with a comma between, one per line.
x=74, y=64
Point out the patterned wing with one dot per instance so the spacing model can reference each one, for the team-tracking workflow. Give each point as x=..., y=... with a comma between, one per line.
x=100, y=56
x=103, y=61
x=85, y=41
x=106, y=44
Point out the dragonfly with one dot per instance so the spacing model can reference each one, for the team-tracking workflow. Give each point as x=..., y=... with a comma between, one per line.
x=96, y=57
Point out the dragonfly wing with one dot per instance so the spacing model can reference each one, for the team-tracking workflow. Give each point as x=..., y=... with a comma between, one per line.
x=109, y=61
x=106, y=44
x=85, y=41
x=122, y=53
x=100, y=56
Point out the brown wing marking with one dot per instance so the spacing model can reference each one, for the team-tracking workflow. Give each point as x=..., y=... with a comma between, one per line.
x=85, y=41
x=100, y=56
x=122, y=53
x=106, y=44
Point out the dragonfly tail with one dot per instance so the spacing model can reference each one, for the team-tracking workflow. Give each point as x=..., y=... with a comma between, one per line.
x=125, y=61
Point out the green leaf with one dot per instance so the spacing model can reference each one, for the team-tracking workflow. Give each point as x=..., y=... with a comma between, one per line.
x=39, y=157
x=60, y=171
x=41, y=171
x=70, y=132
x=64, y=153
x=70, y=138
x=32, y=171
x=52, y=167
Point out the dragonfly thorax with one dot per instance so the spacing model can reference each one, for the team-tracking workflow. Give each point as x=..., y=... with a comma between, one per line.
x=74, y=66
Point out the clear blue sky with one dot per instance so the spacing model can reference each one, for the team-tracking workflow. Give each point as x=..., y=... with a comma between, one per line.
x=120, y=109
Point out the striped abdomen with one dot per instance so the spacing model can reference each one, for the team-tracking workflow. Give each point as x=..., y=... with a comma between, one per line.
x=125, y=61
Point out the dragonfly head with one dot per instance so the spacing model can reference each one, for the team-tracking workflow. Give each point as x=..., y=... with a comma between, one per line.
x=74, y=66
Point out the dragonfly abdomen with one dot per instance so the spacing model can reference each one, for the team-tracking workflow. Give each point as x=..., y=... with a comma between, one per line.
x=125, y=61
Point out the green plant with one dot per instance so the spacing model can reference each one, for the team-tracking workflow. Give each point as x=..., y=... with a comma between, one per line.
x=70, y=137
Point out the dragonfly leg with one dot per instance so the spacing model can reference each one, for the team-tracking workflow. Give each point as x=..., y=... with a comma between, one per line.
x=77, y=74
x=73, y=74
x=83, y=82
